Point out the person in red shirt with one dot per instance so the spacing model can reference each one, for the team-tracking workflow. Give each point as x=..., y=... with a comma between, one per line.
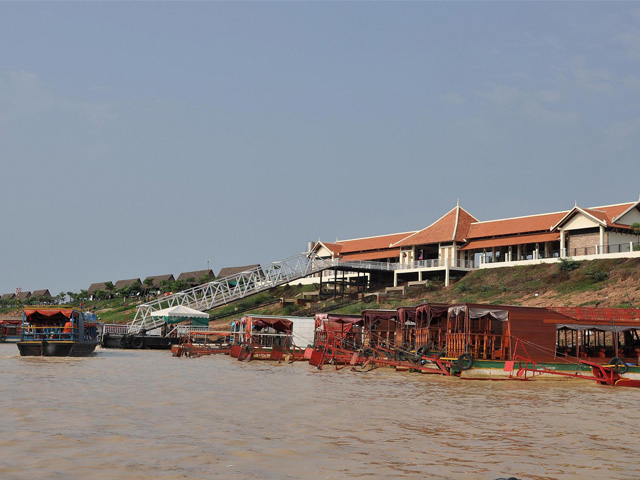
x=68, y=327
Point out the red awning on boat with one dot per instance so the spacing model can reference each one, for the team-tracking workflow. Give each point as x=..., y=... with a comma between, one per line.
x=47, y=312
x=279, y=324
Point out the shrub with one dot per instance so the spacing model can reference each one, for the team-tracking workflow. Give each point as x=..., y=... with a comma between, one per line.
x=596, y=274
x=568, y=265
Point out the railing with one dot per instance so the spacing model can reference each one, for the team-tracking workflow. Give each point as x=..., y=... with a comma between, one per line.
x=48, y=333
x=115, y=328
x=434, y=263
x=479, y=345
x=620, y=248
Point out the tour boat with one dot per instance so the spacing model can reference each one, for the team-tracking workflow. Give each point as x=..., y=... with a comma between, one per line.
x=58, y=332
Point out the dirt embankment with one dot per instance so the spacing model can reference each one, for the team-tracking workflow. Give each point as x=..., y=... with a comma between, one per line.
x=601, y=283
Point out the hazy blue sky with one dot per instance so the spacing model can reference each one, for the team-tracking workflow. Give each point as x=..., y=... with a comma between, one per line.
x=144, y=138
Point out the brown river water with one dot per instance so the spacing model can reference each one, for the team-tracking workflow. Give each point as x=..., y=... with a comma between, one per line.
x=129, y=414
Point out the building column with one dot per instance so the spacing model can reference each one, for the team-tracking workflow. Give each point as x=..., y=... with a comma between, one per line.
x=601, y=250
x=446, y=276
x=563, y=247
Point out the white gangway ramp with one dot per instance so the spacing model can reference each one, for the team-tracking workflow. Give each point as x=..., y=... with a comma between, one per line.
x=236, y=287
x=228, y=289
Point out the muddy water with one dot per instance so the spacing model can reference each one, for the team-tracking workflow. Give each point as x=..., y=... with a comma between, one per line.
x=145, y=415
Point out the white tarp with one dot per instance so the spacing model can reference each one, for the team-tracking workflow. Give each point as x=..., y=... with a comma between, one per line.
x=180, y=311
x=502, y=315
x=602, y=328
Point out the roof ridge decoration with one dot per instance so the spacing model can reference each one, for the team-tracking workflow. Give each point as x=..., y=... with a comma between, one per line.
x=457, y=210
x=423, y=229
x=455, y=225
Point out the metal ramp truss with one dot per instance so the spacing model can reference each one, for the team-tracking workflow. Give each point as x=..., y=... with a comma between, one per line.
x=236, y=287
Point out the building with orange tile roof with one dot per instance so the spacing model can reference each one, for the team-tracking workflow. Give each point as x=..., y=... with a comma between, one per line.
x=458, y=241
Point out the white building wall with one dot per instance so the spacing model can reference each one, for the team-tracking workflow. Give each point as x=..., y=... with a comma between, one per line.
x=616, y=238
x=632, y=217
x=580, y=221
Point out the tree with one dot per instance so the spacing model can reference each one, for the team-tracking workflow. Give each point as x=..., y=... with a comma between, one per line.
x=635, y=228
x=165, y=286
x=61, y=297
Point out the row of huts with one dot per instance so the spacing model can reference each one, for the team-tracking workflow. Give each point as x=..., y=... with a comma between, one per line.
x=150, y=284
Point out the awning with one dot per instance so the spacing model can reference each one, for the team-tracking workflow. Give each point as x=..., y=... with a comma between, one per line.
x=47, y=312
x=601, y=328
x=474, y=312
x=180, y=313
x=278, y=324
x=506, y=241
x=392, y=253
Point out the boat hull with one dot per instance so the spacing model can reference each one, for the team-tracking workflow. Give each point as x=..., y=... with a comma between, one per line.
x=500, y=370
x=137, y=342
x=52, y=348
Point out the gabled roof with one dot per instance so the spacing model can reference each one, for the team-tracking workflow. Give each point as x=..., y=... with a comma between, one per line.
x=94, y=287
x=605, y=215
x=157, y=279
x=617, y=216
x=334, y=248
x=454, y=225
x=8, y=296
x=125, y=283
x=229, y=271
x=197, y=275
x=41, y=293
x=24, y=295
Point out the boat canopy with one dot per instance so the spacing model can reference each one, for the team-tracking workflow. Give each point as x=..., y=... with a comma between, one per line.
x=34, y=313
x=475, y=312
x=601, y=328
x=278, y=324
x=181, y=314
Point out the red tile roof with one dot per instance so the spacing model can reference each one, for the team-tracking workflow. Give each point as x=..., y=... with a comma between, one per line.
x=370, y=243
x=390, y=253
x=513, y=226
x=506, y=241
x=454, y=225
x=334, y=247
x=604, y=214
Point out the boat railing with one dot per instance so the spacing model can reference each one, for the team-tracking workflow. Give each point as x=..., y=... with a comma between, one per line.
x=48, y=333
x=484, y=346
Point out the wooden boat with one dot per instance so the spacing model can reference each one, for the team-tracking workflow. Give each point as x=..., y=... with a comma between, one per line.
x=197, y=343
x=267, y=337
x=509, y=342
x=10, y=330
x=58, y=332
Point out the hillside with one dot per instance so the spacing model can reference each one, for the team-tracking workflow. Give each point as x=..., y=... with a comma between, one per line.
x=601, y=283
